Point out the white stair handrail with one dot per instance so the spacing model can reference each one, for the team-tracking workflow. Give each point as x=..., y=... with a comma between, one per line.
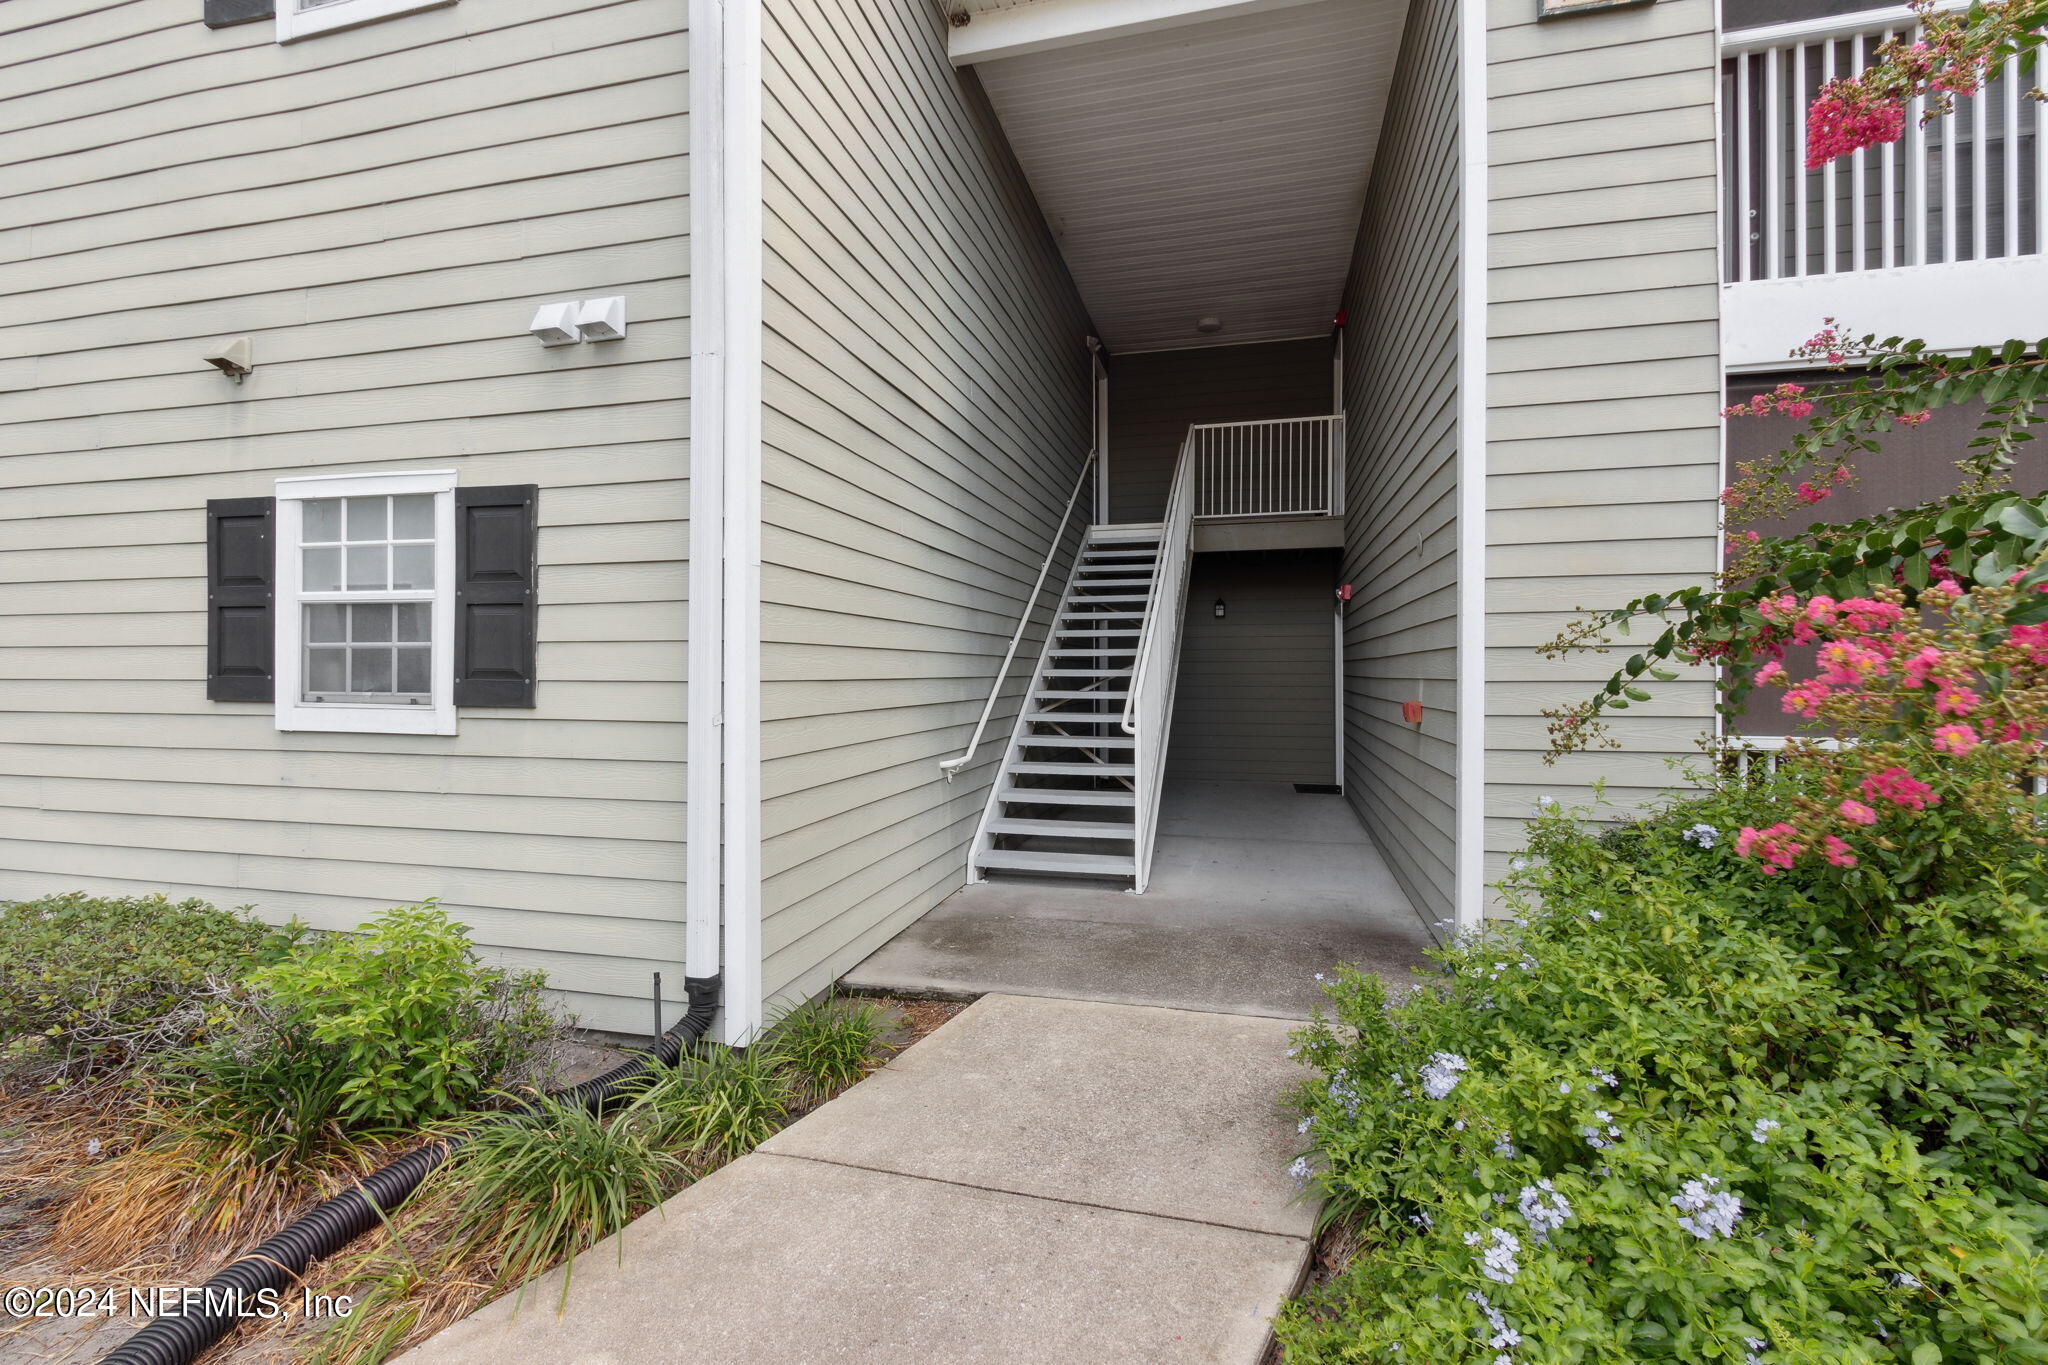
x=1148, y=707
x=951, y=766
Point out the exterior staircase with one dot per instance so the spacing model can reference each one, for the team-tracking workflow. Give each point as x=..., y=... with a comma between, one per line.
x=1067, y=799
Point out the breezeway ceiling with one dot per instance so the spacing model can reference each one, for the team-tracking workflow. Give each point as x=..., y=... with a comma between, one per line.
x=1209, y=169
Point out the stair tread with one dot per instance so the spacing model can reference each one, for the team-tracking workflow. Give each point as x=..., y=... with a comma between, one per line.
x=1112, y=864
x=1059, y=796
x=1077, y=741
x=1063, y=829
x=1088, y=672
x=1047, y=768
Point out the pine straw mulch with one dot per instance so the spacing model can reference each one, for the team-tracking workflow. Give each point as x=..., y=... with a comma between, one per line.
x=68, y=1220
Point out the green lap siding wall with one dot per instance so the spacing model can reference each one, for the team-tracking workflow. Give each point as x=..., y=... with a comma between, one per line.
x=380, y=210
x=1604, y=375
x=925, y=414
x=1400, y=543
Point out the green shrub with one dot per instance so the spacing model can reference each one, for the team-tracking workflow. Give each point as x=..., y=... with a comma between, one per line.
x=390, y=1027
x=91, y=983
x=1688, y=1113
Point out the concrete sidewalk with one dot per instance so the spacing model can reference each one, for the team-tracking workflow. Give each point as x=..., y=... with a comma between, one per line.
x=1038, y=1180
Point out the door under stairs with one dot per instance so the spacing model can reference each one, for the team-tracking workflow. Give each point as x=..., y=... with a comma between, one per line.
x=1068, y=797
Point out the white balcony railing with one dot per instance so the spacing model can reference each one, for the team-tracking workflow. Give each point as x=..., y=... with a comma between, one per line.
x=1290, y=466
x=1966, y=187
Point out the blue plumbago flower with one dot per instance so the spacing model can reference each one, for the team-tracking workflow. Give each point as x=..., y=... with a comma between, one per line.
x=1705, y=1210
x=1344, y=1093
x=1543, y=803
x=1755, y=1347
x=1502, y=1147
x=1321, y=978
x=1704, y=835
x=1760, y=1132
x=1518, y=863
x=1504, y=1337
x=1306, y=1124
x=1602, y=1132
x=1422, y=1220
x=1499, y=1247
x=1300, y=1170
x=1906, y=1281
x=1544, y=1209
x=92, y=1146
x=1605, y=1078
x=1440, y=1076
x=1458, y=1127
x=1564, y=1087
x=1595, y=916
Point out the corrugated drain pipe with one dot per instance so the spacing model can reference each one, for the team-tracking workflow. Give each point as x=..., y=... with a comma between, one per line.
x=334, y=1224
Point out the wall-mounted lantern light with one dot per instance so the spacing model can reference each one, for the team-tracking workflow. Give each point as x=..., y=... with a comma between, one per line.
x=1219, y=609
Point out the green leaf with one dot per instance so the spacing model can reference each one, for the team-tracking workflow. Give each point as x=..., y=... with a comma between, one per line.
x=1927, y=1353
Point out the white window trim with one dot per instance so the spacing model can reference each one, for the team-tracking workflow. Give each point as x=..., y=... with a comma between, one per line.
x=293, y=713
x=294, y=23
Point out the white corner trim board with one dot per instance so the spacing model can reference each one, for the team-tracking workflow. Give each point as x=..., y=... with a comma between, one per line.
x=723, y=855
x=298, y=19
x=1470, y=892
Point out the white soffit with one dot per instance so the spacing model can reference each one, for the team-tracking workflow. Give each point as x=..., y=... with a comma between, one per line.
x=1211, y=169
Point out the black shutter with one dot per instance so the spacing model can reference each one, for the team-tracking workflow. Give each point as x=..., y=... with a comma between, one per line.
x=495, y=594
x=224, y=13
x=241, y=577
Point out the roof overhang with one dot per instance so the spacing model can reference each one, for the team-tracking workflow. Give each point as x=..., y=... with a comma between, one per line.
x=1194, y=158
x=1014, y=28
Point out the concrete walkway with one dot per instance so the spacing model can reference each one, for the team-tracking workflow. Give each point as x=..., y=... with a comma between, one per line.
x=1256, y=887
x=1039, y=1180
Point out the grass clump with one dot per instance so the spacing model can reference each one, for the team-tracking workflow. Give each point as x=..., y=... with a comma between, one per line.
x=717, y=1104
x=829, y=1043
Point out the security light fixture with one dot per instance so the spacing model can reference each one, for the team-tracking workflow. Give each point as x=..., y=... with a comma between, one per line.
x=1219, y=609
x=602, y=319
x=555, y=324
x=231, y=358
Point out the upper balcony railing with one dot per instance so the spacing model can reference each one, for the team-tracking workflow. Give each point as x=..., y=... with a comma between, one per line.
x=1287, y=467
x=1966, y=187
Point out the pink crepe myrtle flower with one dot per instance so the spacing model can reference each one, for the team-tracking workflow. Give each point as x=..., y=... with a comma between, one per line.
x=1856, y=813
x=1901, y=788
x=1805, y=699
x=1768, y=675
x=1809, y=494
x=1867, y=616
x=1955, y=739
x=1846, y=663
x=1837, y=852
x=1775, y=847
x=1913, y=419
x=1920, y=669
x=2033, y=639
x=1846, y=119
x=1956, y=700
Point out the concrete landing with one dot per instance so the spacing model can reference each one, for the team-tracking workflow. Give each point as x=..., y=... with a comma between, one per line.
x=1039, y=1180
x=1255, y=888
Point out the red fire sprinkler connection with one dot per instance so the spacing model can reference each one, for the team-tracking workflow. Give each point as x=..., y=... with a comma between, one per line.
x=1411, y=712
x=1344, y=593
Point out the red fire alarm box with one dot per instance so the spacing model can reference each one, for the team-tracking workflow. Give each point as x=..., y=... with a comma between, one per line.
x=1411, y=711
x=1344, y=593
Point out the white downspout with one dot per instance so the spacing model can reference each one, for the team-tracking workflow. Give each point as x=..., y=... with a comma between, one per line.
x=1470, y=895
x=723, y=786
